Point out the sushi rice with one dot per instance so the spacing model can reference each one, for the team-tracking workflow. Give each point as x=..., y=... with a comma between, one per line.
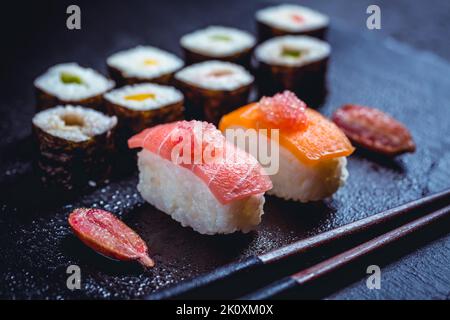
x=215, y=75
x=144, y=62
x=299, y=182
x=292, y=51
x=281, y=17
x=218, y=41
x=82, y=83
x=188, y=200
x=146, y=96
x=73, y=123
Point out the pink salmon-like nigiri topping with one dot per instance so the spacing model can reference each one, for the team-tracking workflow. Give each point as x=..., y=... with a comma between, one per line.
x=230, y=173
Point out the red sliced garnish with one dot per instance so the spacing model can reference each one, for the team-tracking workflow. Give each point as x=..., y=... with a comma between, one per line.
x=283, y=111
x=373, y=129
x=297, y=18
x=103, y=232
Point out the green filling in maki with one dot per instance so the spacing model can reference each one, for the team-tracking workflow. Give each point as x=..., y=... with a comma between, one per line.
x=221, y=37
x=292, y=53
x=68, y=78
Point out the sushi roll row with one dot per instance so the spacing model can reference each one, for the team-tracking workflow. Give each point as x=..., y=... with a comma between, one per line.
x=290, y=59
x=82, y=121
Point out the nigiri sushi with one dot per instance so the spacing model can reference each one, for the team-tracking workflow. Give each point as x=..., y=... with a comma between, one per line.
x=188, y=170
x=312, y=149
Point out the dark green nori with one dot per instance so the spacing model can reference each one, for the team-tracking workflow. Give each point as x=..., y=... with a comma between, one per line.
x=69, y=166
x=131, y=121
x=211, y=105
x=308, y=81
x=123, y=80
x=266, y=32
x=45, y=100
x=243, y=57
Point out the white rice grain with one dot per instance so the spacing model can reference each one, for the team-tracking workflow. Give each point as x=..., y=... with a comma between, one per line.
x=93, y=82
x=163, y=96
x=271, y=51
x=281, y=17
x=132, y=62
x=211, y=41
x=203, y=75
x=73, y=123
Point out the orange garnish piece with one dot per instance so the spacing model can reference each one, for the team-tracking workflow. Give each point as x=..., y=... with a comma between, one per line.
x=318, y=140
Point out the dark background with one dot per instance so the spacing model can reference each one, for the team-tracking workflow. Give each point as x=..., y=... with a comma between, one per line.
x=34, y=238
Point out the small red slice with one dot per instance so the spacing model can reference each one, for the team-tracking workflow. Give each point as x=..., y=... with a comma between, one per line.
x=106, y=234
x=297, y=18
x=374, y=130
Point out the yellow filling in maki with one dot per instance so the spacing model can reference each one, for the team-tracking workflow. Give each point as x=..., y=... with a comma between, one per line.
x=140, y=96
x=150, y=62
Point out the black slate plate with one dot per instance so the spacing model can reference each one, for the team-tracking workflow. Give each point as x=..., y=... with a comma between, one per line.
x=36, y=244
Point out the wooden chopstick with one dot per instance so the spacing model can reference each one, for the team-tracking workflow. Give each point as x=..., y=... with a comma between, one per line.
x=337, y=262
x=195, y=288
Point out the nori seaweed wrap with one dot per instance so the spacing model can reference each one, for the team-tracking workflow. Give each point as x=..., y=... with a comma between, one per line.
x=143, y=64
x=213, y=88
x=290, y=19
x=295, y=63
x=69, y=83
x=76, y=146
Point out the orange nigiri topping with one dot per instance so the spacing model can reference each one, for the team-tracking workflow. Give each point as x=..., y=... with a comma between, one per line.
x=313, y=138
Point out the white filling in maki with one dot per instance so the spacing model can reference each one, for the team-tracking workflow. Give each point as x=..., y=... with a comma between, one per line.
x=71, y=82
x=217, y=41
x=145, y=62
x=215, y=75
x=144, y=96
x=73, y=123
x=292, y=18
x=292, y=50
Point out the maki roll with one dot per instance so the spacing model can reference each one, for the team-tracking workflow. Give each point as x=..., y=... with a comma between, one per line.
x=295, y=63
x=69, y=83
x=290, y=19
x=189, y=171
x=213, y=88
x=143, y=64
x=143, y=105
x=76, y=145
x=218, y=43
x=312, y=150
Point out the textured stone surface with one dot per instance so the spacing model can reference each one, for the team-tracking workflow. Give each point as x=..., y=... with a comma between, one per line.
x=37, y=245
